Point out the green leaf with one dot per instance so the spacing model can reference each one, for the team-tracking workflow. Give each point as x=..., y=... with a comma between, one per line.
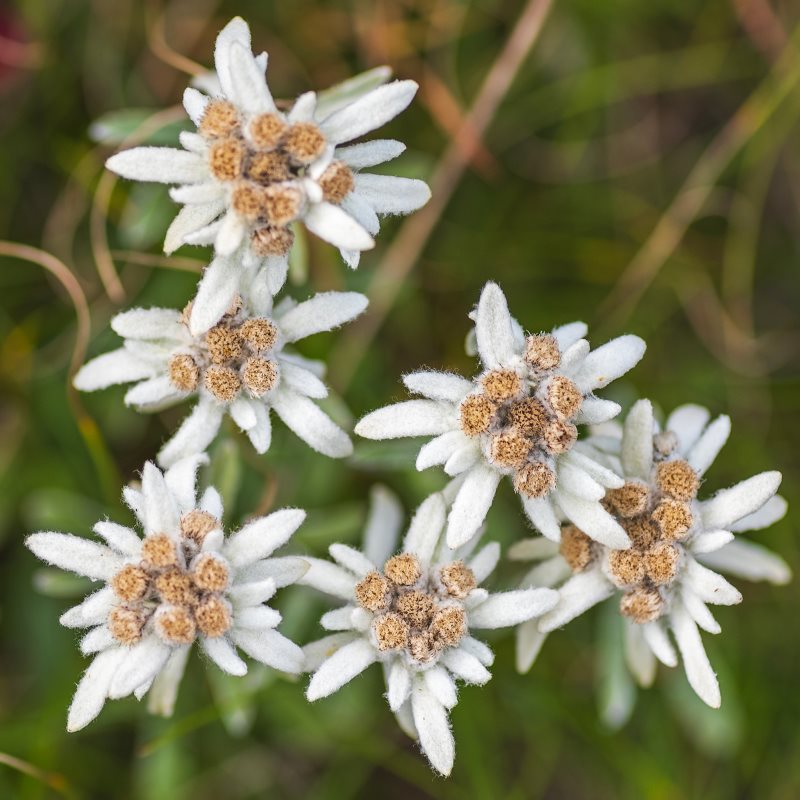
x=234, y=697
x=616, y=689
x=333, y=524
x=718, y=732
x=298, y=256
x=162, y=774
x=225, y=472
x=116, y=126
x=60, y=510
x=397, y=455
x=328, y=100
x=61, y=585
x=146, y=216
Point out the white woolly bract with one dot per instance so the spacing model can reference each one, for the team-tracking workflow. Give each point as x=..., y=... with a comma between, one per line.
x=500, y=343
x=153, y=337
x=153, y=664
x=429, y=688
x=709, y=545
x=210, y=216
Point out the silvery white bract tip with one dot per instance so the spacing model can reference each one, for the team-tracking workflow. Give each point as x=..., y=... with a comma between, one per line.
x=252, y=171
x=242, y=366
x=517, y=418
x=182, y=581
x=414, y=612
x=666, y=580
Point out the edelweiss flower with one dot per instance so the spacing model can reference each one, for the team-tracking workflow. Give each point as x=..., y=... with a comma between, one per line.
x=239, y=367
x=252, y=170
x=414, y=613
x=184, y=581
x=517, y=418
x=663, y=580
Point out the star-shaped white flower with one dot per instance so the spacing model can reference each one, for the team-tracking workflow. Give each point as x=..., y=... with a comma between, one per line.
x=517, y=418
x=240, y=367
x=414, y=613
x=666, y=579
x=252, y=170
x=183, y=582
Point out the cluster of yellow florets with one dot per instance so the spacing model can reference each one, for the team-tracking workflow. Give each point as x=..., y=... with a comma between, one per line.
x=174, y=587
x=262, y=160
x=414, y=612
x=657, y=516
x=526, y=419
x=234, y=355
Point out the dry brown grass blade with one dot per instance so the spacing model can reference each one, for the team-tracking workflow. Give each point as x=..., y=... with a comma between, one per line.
x=102, y=201
x=741, y=353
x=690, y=199
x=180, y=263
x=53, y=780
x=762, y=26
x=267, y=500
x=106, y=471
x=449, y=116
x=405, y=250
x=157, y=41
x=741, y=244
x=68, y=210
x=67, y=279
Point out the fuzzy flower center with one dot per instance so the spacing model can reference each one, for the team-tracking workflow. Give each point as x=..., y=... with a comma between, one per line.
x=414, y=612
x=234, y=355
x=657, y=517
x=525, y=421
x=174, y=588
x=264, y=159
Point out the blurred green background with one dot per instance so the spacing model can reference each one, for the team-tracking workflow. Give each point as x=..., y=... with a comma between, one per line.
x=642, y=172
